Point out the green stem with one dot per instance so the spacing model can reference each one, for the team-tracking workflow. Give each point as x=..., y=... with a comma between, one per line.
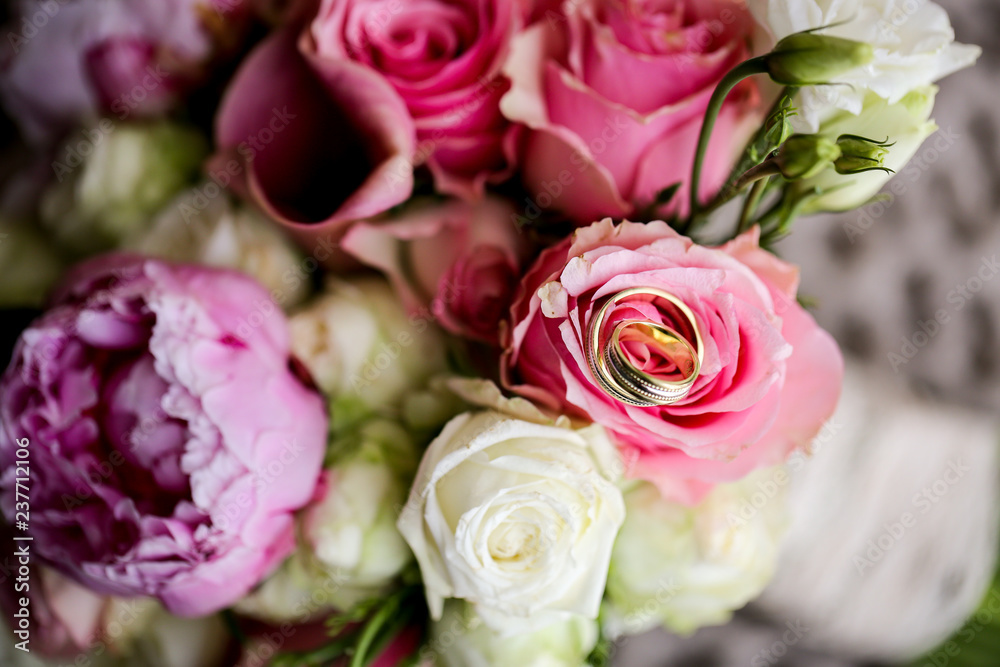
x=729, y=81
x=751, y=203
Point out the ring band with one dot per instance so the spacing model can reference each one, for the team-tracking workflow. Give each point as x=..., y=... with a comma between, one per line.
x=618, y=377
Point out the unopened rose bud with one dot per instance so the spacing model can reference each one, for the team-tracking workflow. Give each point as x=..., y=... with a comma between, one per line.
x=809, y=59
x=859, y=155
x=806, y=155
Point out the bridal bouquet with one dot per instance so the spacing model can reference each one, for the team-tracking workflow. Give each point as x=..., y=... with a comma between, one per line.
x=385, y=332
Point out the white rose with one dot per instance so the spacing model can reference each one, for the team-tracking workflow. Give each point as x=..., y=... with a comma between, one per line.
x=906, y=124
x=516, y=518
x=198, y=229
x=461, y=639
x=363, y=348
x=687, y=567
x=913, y=40
x=130, y=172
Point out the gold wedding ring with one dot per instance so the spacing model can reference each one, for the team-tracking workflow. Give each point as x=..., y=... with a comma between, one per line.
x=618, y=377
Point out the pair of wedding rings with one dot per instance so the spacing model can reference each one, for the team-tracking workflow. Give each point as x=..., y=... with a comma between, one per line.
x=619, y=377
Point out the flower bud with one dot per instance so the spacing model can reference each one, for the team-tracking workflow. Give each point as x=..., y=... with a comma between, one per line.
x=130, y=172
x=806, y=155
x=810, y=59
x=858, y=155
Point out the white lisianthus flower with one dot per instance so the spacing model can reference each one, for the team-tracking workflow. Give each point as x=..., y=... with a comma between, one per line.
x=214, y=231
x=517, y=518
x=462, y=639
x=363, y=348
x=130, y=171
x=687, y=567
x=913, y=40
x=906, y=124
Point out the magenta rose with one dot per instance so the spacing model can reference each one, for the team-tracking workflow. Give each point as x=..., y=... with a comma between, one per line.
x=614, y=93
x=459, y=260
x=770, y=377
x=443, y=59
x=168, y=433
x=68, y=61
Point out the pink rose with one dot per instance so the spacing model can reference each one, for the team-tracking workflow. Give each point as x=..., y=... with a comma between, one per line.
x=615, y=91
x=68, y=61
x=169, y=433
x=317, y=144
x=770, y=375
x=443, y=59
x=460, y=260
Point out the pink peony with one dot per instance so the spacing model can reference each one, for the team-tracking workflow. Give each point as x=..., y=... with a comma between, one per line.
x=169, y=436
x=770, y=376
x=614, y=93
x=461, y=261
x=68, y=61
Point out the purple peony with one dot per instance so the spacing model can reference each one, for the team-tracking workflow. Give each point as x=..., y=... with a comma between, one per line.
x=170, y=435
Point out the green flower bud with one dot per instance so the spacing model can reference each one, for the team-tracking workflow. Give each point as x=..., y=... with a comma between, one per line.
x=806, y=155
x=131, y=171
x=809, y=59
x=859, y=155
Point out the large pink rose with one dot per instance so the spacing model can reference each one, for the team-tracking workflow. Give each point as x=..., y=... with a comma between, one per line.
x=770, y=375
x=169, y=434
x=443, y=59
x=461, y=261
x=68, y=61
x=615, y=92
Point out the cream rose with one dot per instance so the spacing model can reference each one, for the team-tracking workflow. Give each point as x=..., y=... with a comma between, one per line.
x=913, y=40
x=516, y=518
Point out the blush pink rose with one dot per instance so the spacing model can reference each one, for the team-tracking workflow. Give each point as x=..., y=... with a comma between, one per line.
x=614, y=93
x=462, y=261
x=770, y=377
x=442, y=58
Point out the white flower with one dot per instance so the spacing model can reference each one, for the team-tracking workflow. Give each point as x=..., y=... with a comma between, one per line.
x=130, y=172
x=350, y=548
x=515, y=517
x=461, y=639
x=363, y=348
x=198, y=229
x=913, y=40
x=684, y=567
x=906, y=124
x=351, y=528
